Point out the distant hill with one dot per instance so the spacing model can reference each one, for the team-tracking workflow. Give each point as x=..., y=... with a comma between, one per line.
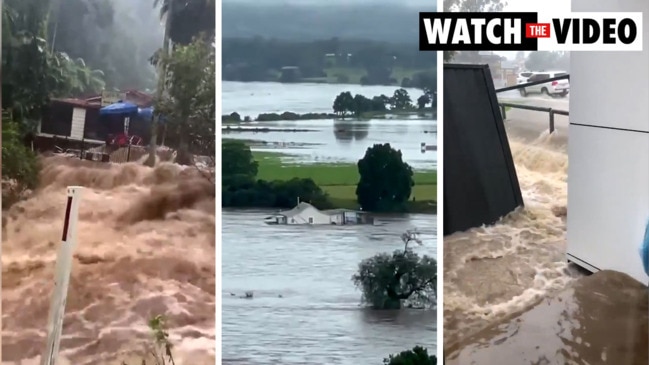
x=394, y=23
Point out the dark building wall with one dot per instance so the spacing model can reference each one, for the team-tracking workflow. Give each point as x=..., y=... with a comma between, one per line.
x=480, y=182
x=57, y=119
x=92, y=128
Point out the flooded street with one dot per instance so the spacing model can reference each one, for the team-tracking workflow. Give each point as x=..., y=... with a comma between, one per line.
x=509, y=291
x=326, y=140
x=306, y=309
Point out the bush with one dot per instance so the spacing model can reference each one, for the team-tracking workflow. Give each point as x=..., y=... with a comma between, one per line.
x=20, y=166
x=246, y=193
x=240, y=189
x=417, y=356
x=160, y=349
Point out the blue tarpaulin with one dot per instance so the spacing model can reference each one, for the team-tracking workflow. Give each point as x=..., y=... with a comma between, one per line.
x=119, y=108
x=147, y=114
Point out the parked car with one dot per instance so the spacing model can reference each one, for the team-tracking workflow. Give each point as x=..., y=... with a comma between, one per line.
x=523, y=76
x=552, y=88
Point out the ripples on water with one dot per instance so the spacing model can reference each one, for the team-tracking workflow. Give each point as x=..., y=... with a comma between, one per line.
x=146, y=247
x=305, y=308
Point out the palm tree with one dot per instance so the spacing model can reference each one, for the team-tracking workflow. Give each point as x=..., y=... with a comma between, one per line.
x=166, y=13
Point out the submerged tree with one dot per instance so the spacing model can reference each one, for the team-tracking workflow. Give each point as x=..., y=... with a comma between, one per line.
x=387, y=280
x=417, y=356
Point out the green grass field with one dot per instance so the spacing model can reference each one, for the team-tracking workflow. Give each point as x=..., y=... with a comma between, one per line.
x=339, y=180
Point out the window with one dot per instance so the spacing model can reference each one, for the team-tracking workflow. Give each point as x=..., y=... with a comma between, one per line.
x=526, y=74
x=310, y=220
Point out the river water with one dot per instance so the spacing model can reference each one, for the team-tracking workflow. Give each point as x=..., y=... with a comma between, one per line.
x=306, y=309
x=145, y=248
x=326, y=140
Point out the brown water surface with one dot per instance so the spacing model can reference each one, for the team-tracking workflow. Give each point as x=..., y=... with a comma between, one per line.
x=145, y=247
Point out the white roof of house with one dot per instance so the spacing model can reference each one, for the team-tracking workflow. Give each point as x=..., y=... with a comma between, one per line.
x=302, y=206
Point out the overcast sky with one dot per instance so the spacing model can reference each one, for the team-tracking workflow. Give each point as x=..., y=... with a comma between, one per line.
x=544, y=6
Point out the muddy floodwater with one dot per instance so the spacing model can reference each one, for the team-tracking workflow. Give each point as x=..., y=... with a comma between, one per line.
x=326, y=140
x=305, y=309
x=509, y=292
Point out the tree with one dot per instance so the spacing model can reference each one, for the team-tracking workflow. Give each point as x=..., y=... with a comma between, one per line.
x=542, y=60
x=385, y=180
x=417, y=356
x=32, y=72
x=361, y=105
x=472, y=6
x=188, y=105
x=401, y=100
x=237, y=160
x=423, y=100
x=388, y=280
x=343, y=104
x=20, y=165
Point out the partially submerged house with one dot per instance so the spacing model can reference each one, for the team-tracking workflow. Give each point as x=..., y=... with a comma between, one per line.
x=77, y=120
x=305, y=213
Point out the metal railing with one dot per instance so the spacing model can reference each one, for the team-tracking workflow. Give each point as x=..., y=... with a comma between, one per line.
x=551, y=112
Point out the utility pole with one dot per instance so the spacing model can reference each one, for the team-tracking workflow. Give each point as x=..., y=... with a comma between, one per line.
x=162, y=79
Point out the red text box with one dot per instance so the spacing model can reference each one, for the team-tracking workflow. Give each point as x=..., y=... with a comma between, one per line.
x=537, y=30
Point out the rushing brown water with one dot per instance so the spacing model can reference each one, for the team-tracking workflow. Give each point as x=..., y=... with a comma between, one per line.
x=146, y=246
x=510, y=294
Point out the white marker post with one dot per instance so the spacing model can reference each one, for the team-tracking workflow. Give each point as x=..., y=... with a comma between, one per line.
x=62, y=279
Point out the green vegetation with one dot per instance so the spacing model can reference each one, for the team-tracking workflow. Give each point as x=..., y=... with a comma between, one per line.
x=20, y=166
x=159, y=352
x=417, y=356
x=339, y=180
x=360, y=106
x=390, y=280
x=242, y=187
x=267, y=179
x=274, y=117
x=188, y=104
x=386, y=180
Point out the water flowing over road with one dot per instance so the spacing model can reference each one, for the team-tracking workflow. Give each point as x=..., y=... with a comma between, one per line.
x=509, y=292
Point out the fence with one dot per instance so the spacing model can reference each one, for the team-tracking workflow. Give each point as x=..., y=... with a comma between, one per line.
x=551, y=112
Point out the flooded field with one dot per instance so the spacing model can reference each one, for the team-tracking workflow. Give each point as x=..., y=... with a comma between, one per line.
x=326, y=140
x=306, y=309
